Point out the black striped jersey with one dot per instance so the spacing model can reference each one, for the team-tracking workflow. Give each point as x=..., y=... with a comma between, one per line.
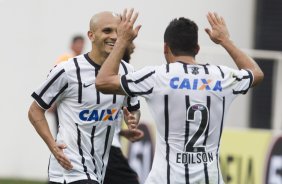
x=86, y=117
x=188, y=104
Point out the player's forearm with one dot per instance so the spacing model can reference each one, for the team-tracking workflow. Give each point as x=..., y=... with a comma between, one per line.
x=111, y=64
x=123, y=133
x=39, y=122
x=107, y=80
x=242, y=60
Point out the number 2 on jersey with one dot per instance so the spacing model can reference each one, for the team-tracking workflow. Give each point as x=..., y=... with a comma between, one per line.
x=203, y=123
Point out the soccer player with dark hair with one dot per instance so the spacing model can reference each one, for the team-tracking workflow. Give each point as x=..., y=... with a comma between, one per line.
x=188, y=100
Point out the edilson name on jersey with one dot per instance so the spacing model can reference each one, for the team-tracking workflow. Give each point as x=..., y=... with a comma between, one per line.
x=194, y=158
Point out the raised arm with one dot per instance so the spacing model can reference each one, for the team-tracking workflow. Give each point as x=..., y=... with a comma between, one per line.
x=108, y=80
x=219, y=34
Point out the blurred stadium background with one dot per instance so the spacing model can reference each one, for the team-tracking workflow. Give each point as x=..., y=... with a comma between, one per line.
x=35, y=32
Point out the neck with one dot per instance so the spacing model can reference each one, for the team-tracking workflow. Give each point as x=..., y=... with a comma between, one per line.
x=76, y=53
x=96, y=57
x=184, y=59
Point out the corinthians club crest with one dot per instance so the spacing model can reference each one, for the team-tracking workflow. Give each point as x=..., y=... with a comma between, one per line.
x=195, y=70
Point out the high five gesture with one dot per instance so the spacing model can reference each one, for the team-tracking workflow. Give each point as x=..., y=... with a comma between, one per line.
x=125, y=29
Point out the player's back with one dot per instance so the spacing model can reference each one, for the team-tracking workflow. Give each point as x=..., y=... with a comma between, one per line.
x=189, y=103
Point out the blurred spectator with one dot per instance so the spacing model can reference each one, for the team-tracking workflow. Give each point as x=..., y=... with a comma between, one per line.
x=76, y=47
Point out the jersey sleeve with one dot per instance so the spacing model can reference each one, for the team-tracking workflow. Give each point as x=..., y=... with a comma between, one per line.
x=132, y=103
x=139, y=83
x=239, y=81
x=55, y=84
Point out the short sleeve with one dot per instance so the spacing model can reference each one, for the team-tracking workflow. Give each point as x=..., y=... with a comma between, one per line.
x=239, y=81
x=132, y=103
x=55, y=84
x=139, y=83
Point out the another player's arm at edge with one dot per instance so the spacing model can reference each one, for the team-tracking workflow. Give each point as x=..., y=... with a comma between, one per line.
x=108, y=80
x=36, y=115
x=219, y=35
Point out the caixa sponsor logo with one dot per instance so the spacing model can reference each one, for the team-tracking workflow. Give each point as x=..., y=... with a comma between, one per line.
x=195, y=84
x=99, y=115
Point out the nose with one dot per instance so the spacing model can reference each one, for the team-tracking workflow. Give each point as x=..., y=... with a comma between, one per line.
x=114, y=35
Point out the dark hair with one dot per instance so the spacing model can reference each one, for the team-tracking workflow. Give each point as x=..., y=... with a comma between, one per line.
x=126, y=57
x=181, y=35
x=77, y=37
x=128, y=51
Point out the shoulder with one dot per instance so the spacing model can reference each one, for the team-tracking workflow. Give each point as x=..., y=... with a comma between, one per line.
x=229, y=70
x=70, y=66
x=145, y=72
x=58, y=71
x=162, y=69
x=235, y=74
x=74, y=62
x=126, y=66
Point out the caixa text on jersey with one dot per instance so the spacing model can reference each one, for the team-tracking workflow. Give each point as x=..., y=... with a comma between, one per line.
x=195, y=84
x=99, y=115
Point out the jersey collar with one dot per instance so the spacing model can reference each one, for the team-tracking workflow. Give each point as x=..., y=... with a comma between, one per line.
x=183, y=62
x=91, y=61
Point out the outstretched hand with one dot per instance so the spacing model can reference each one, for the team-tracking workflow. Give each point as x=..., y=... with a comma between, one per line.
x=61, y=157
x=218, y=32
x=125, y=29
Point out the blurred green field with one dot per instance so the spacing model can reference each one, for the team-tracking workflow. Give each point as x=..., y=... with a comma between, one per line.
x=18, y=181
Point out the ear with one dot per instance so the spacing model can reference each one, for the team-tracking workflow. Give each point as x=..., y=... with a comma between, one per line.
x=91, y=36
x=167, y=53
x=166, y=48
x=197, y=49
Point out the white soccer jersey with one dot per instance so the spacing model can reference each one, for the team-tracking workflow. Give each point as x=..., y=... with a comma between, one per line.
x=188, y=104
x=86, y=117
x=116, y=138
